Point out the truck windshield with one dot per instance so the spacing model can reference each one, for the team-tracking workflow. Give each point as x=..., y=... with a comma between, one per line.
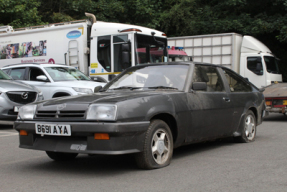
x=4, y=76
x=148, y=50
x=66, y=74
x=271, y=64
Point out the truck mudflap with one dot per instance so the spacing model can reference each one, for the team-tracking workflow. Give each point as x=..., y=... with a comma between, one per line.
x=276, y=98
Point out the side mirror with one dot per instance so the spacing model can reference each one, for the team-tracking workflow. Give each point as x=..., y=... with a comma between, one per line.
x=126, y=58
x=259, y=69
x=98, y=88
x=42, y=78
x=199, y=86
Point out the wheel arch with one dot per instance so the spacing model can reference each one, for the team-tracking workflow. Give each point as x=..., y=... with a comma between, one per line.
x=170, y=121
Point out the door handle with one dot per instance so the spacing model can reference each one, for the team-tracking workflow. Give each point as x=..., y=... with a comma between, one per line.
x=226, y=99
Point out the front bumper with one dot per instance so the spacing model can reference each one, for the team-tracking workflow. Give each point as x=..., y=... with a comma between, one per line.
x=124, y=137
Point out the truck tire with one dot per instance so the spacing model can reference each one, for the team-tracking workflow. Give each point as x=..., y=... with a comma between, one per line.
x=248, y=129
x=58, y=156
x=158, y=146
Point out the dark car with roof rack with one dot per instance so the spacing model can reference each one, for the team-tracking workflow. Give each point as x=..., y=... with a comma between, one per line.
x=148, y=110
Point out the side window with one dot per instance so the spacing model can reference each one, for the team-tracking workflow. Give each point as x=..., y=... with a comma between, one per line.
x=104, y=52
x=34, y=73
x=254, y=64
x=209, y=75
x=6, y=71
x=236, y=83
x=18, y=73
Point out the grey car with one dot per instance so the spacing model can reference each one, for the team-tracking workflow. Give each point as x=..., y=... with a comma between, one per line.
x=148, y=110
x=14, y=94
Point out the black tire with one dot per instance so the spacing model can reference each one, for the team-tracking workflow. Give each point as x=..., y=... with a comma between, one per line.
x=248, y=129
x=58, y=156
x=159, y=137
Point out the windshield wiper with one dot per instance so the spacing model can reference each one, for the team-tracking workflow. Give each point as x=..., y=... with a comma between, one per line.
x=126, y=87
x=162, y=87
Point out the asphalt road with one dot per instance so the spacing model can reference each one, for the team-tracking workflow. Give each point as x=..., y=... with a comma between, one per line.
x=213, y=166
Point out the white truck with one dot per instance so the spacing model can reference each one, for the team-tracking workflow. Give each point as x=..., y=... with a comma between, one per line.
x=245, y=55
x=98, y=49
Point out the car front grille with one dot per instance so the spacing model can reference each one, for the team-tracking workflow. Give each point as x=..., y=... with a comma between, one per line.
x=22, y=97
x=59, y=114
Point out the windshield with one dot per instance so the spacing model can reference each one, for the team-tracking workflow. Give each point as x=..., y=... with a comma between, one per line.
x=148, y=50
x=151, y=77
x=4, y=76
x=66, y=74
x=271, y=64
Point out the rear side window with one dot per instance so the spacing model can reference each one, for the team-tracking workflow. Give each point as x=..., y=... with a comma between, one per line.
x=18, y=73
x=209, y=75
x=104, y=52
x=236, y=83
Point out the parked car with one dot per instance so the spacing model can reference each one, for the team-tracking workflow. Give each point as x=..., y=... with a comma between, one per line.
x=52, y=79
x=14, y=94
x=148, y=110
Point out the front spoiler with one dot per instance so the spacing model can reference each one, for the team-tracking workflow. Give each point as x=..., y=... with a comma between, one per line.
x=124, y=138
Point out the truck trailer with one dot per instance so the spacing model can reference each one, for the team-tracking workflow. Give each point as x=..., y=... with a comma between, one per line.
x=245, y=55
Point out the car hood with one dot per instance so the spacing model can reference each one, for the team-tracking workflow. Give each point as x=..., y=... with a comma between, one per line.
x=80, y=84
x=13, y=85
x=104, y=97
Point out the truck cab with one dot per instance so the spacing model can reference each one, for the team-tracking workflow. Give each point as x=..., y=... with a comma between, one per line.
x=258, y=64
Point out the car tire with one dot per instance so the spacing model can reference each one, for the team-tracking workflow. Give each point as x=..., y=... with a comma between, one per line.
x=58, y=156
x=248, y=129
x=158, y=146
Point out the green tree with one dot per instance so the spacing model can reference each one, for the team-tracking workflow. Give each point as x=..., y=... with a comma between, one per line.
x=20, y=13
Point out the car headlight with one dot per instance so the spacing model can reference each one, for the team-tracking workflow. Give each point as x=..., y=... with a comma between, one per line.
x=102, y=112
x=27, y=112
x=40, y=96
x=83, y=90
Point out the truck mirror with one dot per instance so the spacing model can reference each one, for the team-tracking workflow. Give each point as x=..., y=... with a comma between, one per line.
x=126, y=58
x=199, y=86
x=259, y=68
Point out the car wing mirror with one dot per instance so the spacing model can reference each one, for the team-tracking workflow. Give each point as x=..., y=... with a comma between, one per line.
x=97, y=89
x=42, y=78
x=199, y=86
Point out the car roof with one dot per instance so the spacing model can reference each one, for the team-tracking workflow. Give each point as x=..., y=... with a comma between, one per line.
x=36, y=64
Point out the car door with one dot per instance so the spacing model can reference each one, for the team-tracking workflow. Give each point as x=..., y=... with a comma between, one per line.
x=240, y=93
x=31, y=78
x=211, y=109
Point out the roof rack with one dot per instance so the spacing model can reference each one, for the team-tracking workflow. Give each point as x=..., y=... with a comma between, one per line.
x=6, y=29
x=51, y=25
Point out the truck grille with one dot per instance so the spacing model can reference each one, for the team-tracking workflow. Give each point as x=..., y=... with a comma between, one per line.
x=59, y=114
x=22, y=97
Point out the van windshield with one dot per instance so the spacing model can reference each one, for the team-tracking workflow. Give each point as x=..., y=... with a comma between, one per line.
x=66, y=74
x=272, y=64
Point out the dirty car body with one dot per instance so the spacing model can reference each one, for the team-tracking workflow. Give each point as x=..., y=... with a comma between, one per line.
x=148, y=110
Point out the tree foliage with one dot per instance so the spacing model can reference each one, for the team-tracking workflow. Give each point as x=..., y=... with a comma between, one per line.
x=265, y=19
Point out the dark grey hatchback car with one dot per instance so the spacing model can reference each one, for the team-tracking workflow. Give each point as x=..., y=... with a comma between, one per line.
x=148, y=110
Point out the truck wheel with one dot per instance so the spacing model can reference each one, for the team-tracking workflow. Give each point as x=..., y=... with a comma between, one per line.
x=158, y=146
x=248, y=130
x=58, y=156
